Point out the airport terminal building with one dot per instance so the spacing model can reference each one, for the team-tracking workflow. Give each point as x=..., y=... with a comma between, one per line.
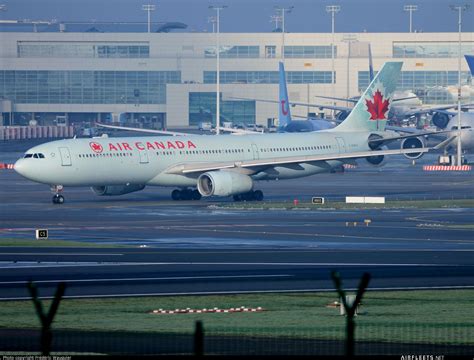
x=168, y=80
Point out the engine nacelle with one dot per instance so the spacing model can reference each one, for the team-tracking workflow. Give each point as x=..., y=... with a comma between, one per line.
x=440, y=120
x=113, y=190
x=374, y=144
x=223, y=183
x=413, y=143
x=375, y=160
x=342, y=115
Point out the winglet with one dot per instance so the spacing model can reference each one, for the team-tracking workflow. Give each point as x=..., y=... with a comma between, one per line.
x=470, y=62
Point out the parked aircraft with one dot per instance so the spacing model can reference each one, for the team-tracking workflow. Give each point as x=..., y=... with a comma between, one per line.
x=219, y=165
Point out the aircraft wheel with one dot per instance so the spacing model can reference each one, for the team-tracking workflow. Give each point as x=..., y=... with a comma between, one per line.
x=196, y=195
x=58, y=199
x=176, y=195
x=258, y=195
x=186, y=194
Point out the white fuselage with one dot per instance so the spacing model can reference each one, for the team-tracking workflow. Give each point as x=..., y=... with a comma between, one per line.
x=145, y=160
x=467, y=127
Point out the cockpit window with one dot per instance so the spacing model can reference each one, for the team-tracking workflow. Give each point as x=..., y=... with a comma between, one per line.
x=35, y=156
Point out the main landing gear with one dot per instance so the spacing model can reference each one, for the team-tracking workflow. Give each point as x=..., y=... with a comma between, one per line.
x=256, y=195
x=185, y=194
x=57, y=198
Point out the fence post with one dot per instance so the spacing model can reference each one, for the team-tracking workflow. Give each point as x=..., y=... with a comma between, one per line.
x=350, y=309
x=46, y=319
x=199, y=339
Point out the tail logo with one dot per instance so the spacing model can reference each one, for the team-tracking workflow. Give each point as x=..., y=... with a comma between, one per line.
x=96, y=147
x=284, y=112
x=377, y=106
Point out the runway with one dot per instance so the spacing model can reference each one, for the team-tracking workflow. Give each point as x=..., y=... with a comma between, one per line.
x=146, y=272
x=171, y=248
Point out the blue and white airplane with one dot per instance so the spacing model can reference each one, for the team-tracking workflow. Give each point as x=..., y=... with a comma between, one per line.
x=207, y=165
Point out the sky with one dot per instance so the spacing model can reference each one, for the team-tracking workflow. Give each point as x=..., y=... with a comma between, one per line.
x=254, y=15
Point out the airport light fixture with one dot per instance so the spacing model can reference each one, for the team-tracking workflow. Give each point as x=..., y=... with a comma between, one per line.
x=218, y=9
x=459, y=9
x=281, y=14
x=149, y=8
x=333, y=10
x=275, y=19
x=349, y=39
x=410, y=9
x=213, y=21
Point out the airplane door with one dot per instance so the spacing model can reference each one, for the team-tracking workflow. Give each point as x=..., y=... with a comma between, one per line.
x=342, y=145
x=65, y=156
x=256, y=155
x=143, y=157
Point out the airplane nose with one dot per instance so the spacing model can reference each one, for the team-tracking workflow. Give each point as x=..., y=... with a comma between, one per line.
x=19, y=167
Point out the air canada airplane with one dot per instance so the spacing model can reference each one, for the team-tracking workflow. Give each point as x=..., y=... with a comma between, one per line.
x=207, y=165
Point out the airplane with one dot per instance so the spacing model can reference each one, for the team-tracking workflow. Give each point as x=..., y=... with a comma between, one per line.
x=407, y=104
x=210, y=165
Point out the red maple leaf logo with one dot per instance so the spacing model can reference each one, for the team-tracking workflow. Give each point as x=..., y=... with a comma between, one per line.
x=96, y=147
x=377, y=108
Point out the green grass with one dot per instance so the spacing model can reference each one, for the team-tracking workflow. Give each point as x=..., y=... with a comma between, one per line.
x=50, y=243
x=445, y=316
x=392, y=204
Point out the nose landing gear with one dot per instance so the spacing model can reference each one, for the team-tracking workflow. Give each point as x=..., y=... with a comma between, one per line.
x=57, y=198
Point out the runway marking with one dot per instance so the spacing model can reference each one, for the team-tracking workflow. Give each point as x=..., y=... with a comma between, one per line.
x=28, y=265
x=153, y=278
x=61, y=254
x=395, y=288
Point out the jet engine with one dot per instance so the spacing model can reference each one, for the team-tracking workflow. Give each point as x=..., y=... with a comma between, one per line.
x=342, y=115
x=112, y=190
x=223, y=183
x=440, y=120
x=375, y=145
x=413, y=143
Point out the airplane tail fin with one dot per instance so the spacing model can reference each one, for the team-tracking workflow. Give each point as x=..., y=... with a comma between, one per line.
x=470, y=63
x=371, y=111
x=284, y=114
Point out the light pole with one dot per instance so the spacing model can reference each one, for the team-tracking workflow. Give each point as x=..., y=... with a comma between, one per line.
x=349, y=39
x=282, y=10
x=333, y=9
x=410, y=9
x=212, y=20
x=218, y=9
x=149, y=8
x=459, y=9
x=276, y=19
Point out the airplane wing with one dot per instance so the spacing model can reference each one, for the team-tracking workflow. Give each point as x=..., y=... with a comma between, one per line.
x=174, y=133
x=386, y=140
x=355, y=100
x=254, y=166
x=152, y=131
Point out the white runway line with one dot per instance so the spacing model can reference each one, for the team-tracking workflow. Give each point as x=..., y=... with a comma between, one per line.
x=61, y=254
x=30, y=264
x=153, y=278
x=396, y=288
